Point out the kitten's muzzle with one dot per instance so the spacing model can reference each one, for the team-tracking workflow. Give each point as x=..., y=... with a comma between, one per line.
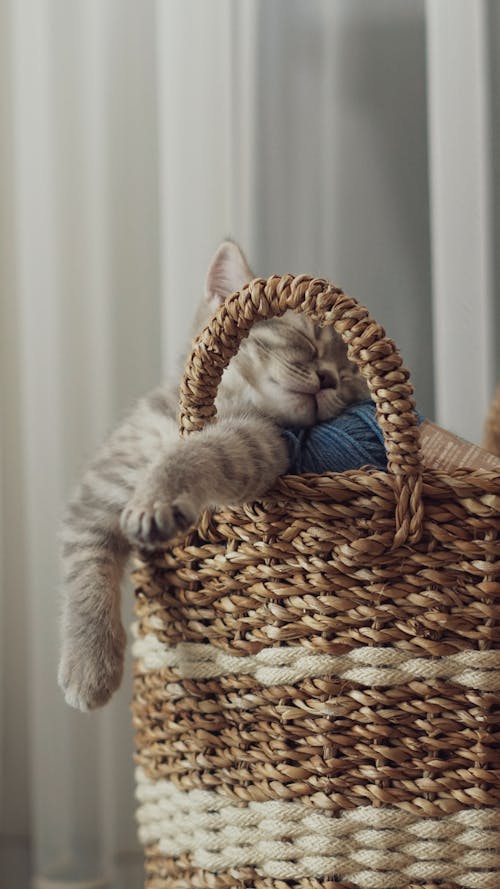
x=324, y=379
x=328, y=379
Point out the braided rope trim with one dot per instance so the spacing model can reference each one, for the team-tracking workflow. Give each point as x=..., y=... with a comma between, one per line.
x=375, y=848
x=179, y=873
x=370, y=666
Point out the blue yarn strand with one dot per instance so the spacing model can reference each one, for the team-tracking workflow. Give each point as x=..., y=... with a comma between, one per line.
x=349, y=441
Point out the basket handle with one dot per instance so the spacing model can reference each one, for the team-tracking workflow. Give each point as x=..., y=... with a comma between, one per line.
x=367, y=345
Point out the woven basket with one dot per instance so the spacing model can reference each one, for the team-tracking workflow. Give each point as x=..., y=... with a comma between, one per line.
x=317, y=680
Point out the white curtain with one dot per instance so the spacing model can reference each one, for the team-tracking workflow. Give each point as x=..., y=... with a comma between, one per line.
x=81, y=313
x=348, y=138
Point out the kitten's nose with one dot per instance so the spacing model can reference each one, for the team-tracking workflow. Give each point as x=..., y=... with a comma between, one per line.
x=327, y=378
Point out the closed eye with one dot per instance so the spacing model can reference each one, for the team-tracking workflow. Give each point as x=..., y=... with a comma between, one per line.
x=302, y=344
x=293, y=342
x=289, y=355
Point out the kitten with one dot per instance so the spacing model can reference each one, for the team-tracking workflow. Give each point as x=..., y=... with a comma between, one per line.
x=146, y=483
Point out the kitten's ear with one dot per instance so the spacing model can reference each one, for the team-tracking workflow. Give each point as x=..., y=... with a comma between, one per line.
x=227, y=272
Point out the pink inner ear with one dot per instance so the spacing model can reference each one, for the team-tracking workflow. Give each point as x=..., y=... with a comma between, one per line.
x=227, y=272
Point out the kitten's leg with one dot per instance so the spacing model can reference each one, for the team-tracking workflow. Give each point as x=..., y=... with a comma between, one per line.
x=93, y=637
x=229, y=463
x=94, y=553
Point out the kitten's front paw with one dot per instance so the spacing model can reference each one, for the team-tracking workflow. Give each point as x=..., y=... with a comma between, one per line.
x=149, y=524
x=90, y=672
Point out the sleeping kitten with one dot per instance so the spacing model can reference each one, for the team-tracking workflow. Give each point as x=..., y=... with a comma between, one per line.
x=146, y=483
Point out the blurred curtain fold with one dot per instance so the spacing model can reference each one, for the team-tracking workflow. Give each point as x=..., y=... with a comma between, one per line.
x=81, y=312
x=350, y=139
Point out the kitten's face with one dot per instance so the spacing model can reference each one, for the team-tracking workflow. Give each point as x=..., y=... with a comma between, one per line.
x=289, y=368
x=298, y=372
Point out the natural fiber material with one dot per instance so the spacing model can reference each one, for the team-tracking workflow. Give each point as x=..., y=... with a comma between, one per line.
x=317, y=691
x=288, y=841
x=286, y=666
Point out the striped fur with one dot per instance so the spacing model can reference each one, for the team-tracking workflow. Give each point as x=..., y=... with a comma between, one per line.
x=146, y=484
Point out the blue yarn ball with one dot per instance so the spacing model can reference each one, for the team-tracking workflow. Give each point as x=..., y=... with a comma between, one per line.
x=349, y=441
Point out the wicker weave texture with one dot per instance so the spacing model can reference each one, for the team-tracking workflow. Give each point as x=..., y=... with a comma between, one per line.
x=317, y=674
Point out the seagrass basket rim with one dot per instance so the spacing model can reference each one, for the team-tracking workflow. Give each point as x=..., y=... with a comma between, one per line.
x=364, y=473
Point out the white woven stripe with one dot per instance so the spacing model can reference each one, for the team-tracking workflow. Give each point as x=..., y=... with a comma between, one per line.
x=375, y=848
x=373, y=667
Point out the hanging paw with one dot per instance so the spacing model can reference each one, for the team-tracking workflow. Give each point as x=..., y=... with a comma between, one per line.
x=148, y=524
x=91, y=667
